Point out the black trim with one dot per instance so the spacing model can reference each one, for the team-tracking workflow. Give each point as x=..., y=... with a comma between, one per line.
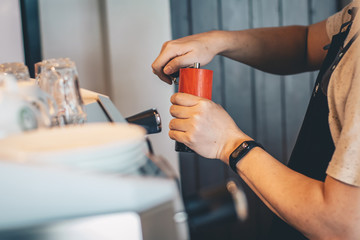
x=31, y=33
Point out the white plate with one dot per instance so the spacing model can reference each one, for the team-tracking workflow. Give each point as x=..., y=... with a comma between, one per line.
x=114, y=166
x=93, y=154
x=118, y=161
x=83, y=142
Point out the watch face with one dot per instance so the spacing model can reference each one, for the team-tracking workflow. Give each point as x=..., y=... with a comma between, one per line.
x=239, y=149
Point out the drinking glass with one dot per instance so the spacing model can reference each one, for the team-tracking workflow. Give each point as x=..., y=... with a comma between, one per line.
x=59, y=78
x=18, y=69
x=15, y=81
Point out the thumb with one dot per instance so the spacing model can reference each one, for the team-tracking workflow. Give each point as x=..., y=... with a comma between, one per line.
x=178, y=62
x=185, y=99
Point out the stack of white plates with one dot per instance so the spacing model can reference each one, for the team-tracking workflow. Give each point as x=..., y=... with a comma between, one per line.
x=117, y=148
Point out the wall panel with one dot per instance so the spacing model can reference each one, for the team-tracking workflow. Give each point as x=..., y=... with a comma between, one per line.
x=296, y=87
x=268, y=87
x=238, y=84
x=72, y=29
x=11, y=42
x=205, y=17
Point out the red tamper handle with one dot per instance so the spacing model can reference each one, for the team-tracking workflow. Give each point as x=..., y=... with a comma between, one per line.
x=196, y=81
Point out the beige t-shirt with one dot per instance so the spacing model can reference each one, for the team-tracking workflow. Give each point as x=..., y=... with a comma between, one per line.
x=344, y=104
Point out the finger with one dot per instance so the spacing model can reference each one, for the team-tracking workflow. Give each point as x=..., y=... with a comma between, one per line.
x=172, y=57
x=164, y=77
x=181, y=112
x=184, y=99
x=177, y=136
x=168, y=52
x=159, y=63
x=181, y=125
x=174, y=66
x=178, y=62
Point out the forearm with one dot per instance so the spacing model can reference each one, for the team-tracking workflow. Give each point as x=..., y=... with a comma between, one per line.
x=305, y=203
x=281, y=50
x=295, y=198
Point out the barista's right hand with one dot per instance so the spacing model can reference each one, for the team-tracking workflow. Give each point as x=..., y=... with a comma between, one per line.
x=185, y=52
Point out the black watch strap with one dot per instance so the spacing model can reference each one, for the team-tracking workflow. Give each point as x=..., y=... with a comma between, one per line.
x=240, y=152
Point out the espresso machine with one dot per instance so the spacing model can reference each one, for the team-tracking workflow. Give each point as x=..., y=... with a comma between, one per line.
x=48, y=202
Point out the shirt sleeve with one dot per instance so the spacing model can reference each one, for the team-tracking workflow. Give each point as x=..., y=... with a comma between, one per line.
x=345, y=163
x=334, y=22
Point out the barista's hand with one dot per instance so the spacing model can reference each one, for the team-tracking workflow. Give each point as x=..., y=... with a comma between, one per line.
x=204, y=126
x=186, y=51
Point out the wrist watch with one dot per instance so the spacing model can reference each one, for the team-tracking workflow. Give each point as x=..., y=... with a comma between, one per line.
x=241, y=151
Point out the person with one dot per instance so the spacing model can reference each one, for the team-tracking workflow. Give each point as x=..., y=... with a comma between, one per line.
x=317, y=196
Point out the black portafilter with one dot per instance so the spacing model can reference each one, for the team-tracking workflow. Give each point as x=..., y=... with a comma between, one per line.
x=180, y=147
x=149, y=119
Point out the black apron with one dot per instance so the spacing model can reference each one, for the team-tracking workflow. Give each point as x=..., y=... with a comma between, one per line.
x=314, y=146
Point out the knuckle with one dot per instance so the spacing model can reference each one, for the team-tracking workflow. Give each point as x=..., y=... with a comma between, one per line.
x=203, y=106
x=172, y=124
x=165, y=44
x=156, y=69
x=195, y=121
x=195, y=125
x=168, y=44
x=171, y=134
x=172, y=109
x=175, y=97
x=196, y=117
x=188, y=138
x=191, y=136
x=203, y=103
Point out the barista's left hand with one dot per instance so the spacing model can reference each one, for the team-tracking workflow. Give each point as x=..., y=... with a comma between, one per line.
x=204, y=126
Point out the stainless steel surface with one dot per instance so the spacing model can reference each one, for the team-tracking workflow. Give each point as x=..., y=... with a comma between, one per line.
x=99, y=108
x=158, y=120
x=110, y=109
x=51, y=203
x=125, y=225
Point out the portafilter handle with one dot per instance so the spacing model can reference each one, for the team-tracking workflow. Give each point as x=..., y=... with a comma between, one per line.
x=149, y=119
